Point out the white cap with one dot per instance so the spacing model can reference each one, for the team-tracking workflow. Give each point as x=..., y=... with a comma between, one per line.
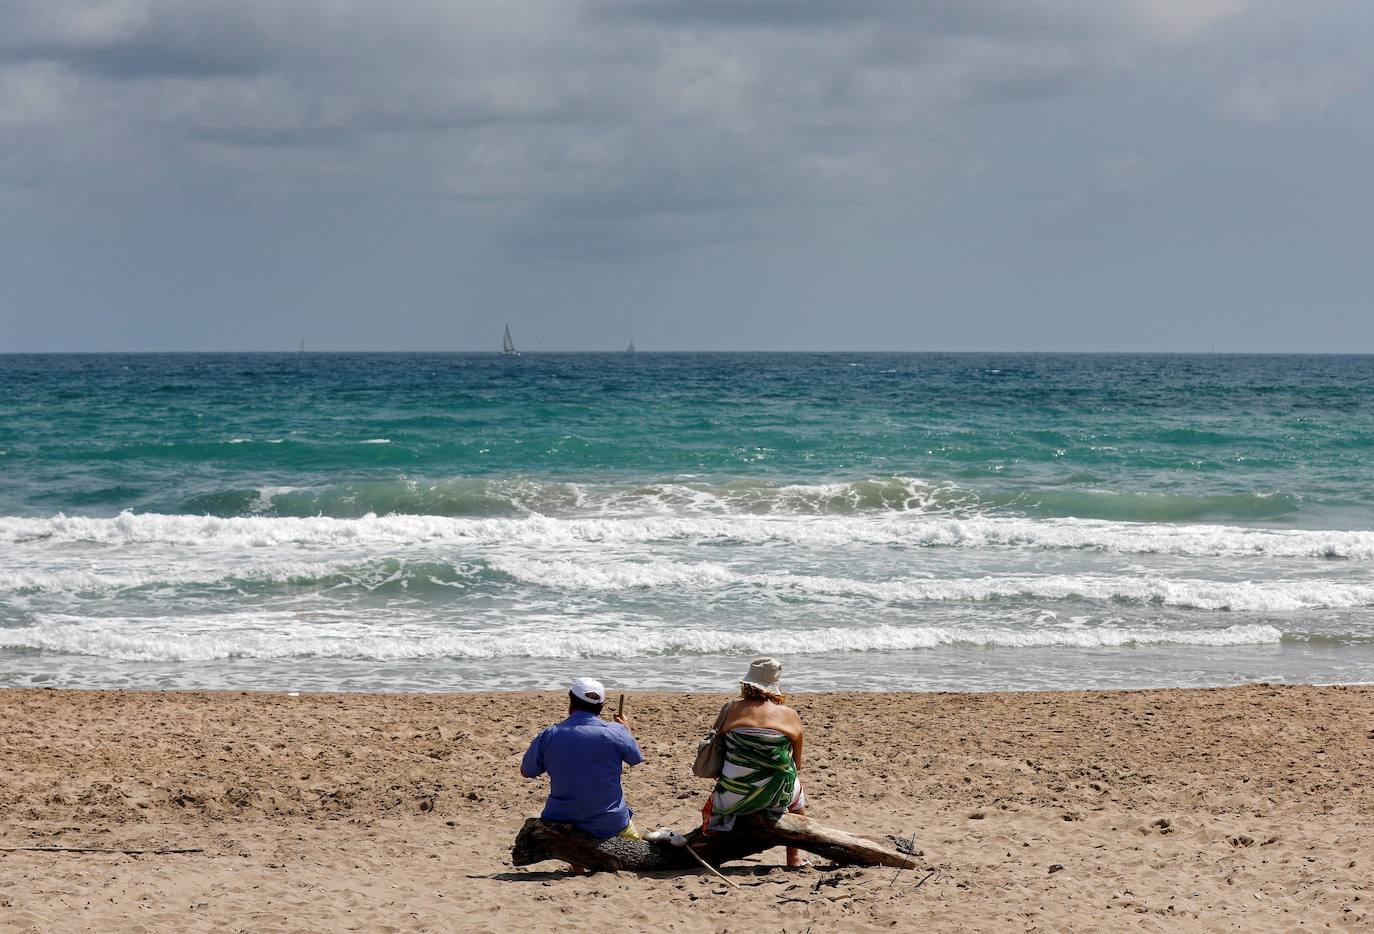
x=589, y=690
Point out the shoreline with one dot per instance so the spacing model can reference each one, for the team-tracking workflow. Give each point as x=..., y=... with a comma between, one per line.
x=670, y=692
x=1244, y=808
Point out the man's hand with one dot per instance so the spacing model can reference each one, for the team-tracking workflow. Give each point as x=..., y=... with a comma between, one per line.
x=624, y=721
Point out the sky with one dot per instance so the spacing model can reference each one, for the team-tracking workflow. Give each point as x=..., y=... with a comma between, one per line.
x=914, y=175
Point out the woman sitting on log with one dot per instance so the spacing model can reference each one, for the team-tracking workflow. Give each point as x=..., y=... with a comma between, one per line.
x=763, y=753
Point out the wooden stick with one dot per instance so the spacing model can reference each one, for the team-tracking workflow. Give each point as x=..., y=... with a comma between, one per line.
x=621, y=711
x=697, y=856
x=899, y=868
x=91, y=849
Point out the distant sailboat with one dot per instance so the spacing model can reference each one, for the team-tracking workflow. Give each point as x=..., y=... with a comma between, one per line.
x=631, y=348
x=508, y=345
x=302, y=347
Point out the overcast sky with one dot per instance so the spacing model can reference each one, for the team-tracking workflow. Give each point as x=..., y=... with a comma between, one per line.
x=695, y=174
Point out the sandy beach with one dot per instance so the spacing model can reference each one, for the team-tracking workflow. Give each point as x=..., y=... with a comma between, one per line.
x=1245, y=808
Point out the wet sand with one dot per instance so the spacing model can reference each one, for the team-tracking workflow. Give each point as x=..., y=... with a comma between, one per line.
x=1240, y=809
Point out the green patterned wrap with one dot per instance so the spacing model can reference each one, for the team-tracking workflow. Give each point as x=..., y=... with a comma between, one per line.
x=759, y=774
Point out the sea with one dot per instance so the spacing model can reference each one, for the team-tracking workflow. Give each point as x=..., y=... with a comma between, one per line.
x=458, y=522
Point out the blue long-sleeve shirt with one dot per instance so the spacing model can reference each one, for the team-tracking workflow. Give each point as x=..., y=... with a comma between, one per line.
x=583, y=756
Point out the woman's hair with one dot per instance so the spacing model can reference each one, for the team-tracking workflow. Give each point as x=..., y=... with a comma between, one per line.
x=754, y=692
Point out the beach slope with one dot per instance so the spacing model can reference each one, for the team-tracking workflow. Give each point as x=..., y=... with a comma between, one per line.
x=1246, y=808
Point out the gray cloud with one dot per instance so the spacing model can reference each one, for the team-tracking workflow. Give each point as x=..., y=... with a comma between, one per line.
x=773, y=14
x=137, y=40
x=554, y=108
x=720, y=165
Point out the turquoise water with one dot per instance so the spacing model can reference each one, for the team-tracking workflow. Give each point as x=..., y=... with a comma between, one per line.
x=448, y=521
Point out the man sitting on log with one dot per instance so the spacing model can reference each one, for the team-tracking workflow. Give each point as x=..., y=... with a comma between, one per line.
x=583, y=756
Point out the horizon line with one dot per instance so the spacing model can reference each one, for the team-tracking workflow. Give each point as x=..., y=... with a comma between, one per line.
x=890, y=353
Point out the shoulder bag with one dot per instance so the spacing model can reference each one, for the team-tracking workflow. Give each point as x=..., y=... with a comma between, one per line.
x=711, y=750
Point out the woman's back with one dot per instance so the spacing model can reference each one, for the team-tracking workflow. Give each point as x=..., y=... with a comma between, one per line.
x=764, y=714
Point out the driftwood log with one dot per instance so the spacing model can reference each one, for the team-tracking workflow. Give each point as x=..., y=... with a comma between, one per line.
x=539, y=840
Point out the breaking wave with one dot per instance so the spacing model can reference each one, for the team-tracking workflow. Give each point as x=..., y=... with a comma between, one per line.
x=263, y=637
x=912, y=530
x=514, y=496
x=522, y=496
x=1270, y=596
x=572, y=577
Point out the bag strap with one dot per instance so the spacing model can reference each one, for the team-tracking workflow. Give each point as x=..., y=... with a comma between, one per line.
x=720, y=718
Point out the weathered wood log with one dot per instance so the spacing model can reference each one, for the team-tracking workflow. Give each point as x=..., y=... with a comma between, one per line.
x=540, y=840
x=839, y=846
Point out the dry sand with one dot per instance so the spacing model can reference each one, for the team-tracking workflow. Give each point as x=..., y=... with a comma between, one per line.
x=1237, y=809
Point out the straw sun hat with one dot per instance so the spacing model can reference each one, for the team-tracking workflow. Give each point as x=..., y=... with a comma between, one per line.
x=764, y=674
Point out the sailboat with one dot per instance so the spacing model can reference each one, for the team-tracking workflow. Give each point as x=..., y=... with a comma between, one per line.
x=631, y=348
x=508, y=345
x=302, y=347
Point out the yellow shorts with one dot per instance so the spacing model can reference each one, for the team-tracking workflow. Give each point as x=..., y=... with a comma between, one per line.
x=629, y=833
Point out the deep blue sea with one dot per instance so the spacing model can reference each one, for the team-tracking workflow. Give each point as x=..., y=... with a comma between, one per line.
x=878, y=521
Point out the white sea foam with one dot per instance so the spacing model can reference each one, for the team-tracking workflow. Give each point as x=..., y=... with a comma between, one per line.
x=1268, y=596
x=603, y=576
x=85, y=580
x=821, y=531
x=573, y=576
x=265, y=496
x=270, y=636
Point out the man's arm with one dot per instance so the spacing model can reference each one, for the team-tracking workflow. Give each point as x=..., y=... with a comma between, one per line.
x=532, y=765
x=629, y=749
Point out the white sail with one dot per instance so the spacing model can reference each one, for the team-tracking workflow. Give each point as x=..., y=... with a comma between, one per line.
x=507, y=345
x=631, y=348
